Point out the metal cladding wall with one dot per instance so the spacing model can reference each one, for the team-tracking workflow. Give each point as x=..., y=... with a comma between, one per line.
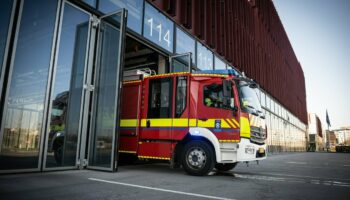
x=250, y=35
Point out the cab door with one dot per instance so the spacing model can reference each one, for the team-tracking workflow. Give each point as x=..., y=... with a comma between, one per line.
x=215, y=110
x=157, y=121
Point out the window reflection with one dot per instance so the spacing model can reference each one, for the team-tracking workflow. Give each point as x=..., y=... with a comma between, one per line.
x=219, y=64
x=204, y=57
x=5, y=15
x=184, y=43
x=25, y=104
x=67, y=89
x=134, y=7
x=158, y=28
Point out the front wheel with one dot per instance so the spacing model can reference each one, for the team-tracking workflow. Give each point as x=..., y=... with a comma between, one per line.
x=225, y=166
x=198, y=158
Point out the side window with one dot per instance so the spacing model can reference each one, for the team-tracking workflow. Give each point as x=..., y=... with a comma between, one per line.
x=181, y=95
x=214, y=96
x=159, y=98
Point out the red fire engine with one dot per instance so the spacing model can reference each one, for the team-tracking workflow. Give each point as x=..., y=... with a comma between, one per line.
x=199, y=120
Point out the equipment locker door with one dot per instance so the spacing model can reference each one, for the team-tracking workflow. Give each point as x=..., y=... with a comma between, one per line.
x=104, y=126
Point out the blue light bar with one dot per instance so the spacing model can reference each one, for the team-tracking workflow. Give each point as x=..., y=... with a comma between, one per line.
x=221, y=71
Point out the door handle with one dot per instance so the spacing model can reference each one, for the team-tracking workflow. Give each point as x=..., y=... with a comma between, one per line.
x=148, y=123
x=203, y=119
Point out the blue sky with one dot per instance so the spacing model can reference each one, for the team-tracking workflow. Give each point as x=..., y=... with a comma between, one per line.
x=319, y=31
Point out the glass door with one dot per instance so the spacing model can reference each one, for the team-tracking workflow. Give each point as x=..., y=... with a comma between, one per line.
x=104, y=124
x=66, y=100
x=180, y=62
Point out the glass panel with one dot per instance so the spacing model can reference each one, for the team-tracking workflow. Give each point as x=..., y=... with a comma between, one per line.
x=181, y=95
x=184, y=43
x=204, y=57
x=134, y=7
x=67, y=89
x=106, y=94
x=90, y=2
x=160, y=98
x=180, y=63
x=219, y=64
x=5, y=15
x=26, y=95
x=158, y=28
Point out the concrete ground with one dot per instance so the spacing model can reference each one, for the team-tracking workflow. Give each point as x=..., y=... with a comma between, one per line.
x=283, y=176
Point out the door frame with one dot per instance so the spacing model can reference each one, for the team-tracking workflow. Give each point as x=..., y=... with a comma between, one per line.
x=87, y=67
x=94, y=75
x=47, y=89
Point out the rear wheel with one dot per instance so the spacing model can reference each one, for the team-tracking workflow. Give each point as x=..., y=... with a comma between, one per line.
x=197, y=158
x=225, y=166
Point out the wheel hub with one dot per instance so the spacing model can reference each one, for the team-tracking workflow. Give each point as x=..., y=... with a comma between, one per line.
x=196, y=158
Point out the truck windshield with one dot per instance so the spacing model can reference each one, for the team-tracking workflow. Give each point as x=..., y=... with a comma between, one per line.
x=249, y=99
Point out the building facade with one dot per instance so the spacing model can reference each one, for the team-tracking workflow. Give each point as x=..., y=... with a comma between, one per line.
x=62, y=61
x=343, y=136
x=315, y=136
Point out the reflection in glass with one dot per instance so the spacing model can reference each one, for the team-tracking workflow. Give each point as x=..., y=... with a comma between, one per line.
x=104, y=118
x=184, y=43
x=204, y=57
x=219, y=64
x=23, y=114
x=67, y=89
x=134, y=7
x=5, y=15
x=158, y=28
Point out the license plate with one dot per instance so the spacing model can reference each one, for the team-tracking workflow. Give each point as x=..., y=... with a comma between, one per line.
x=261, y=150
x=249, y=150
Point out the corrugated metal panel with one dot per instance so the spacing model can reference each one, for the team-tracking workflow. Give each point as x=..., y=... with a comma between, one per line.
x=250, y=35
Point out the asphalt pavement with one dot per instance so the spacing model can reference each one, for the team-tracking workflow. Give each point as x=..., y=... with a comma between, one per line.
x=284, y=176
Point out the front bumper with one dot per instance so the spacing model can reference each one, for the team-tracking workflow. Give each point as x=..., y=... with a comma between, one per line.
x=248, y=151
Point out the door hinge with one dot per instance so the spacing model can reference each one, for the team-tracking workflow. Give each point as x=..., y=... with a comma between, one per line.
x=89, y=87
x=95, y=21
x=82, y=163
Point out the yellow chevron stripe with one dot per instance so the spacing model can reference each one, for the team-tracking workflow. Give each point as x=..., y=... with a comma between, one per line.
x=231, y=123
x=234, y=121
x=153, y=157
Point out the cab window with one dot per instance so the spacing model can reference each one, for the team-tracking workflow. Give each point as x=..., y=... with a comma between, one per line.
x=160, y=98
x=214, y=96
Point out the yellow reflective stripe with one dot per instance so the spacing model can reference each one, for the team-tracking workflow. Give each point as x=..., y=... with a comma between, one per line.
x=122, y=151
x=245, y=127
x=231, y=123
x=227, y=141
x=128, y=123
x=210, y=123
x=180, y=122
x=168, y=74
x=165, y=122
x=193, y=122
x=214, y=75
x=154, y=157
x=128, y=82
x=234, y=121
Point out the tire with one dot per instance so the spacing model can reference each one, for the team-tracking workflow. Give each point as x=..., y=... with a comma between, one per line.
x=225, y=167
x=198, y=158
x=58, y=153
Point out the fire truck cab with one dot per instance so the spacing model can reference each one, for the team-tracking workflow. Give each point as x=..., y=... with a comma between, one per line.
x=199, y=120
